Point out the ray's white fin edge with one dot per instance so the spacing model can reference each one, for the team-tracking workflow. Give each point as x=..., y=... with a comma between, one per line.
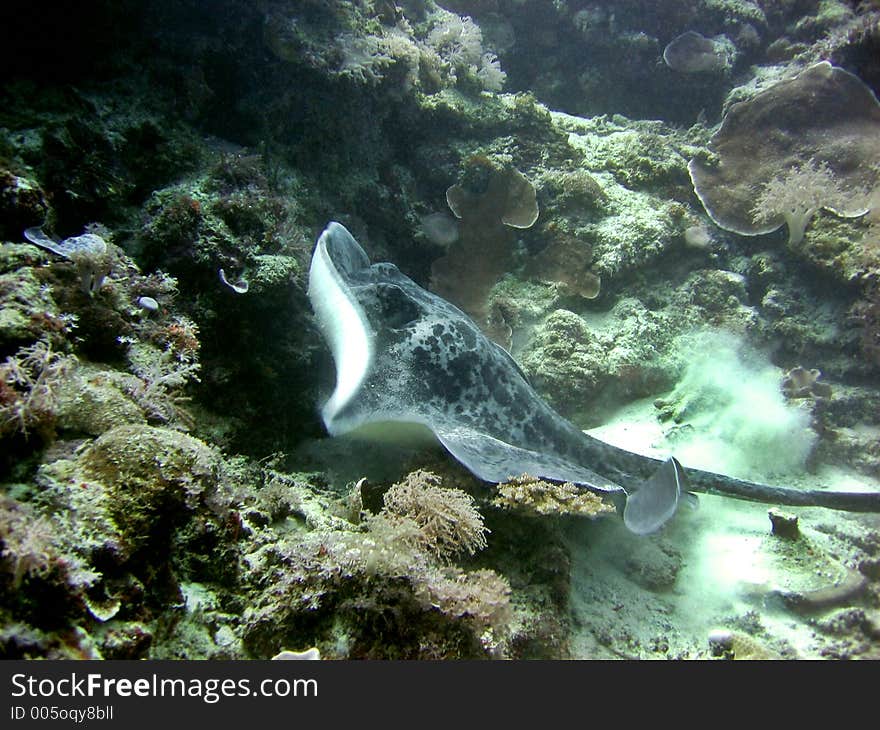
x=342, y=323
x=656, y=501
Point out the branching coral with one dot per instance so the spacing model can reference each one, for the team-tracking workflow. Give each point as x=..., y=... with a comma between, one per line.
x=866, y=313
x=447, y=519
x=29, y=381
x=163, y=374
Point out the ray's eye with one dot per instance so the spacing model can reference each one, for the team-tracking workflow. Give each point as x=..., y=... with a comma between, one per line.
x=394, y=307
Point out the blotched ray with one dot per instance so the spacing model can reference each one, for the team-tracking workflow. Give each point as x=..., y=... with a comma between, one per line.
x=406, y=356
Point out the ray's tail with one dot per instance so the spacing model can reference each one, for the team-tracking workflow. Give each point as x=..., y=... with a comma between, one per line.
x=709, y=483
x=656, y=500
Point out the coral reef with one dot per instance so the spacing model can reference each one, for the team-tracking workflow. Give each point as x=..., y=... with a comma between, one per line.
x=166, y=490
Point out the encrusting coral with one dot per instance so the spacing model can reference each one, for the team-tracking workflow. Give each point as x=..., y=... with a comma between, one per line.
x=529, y=494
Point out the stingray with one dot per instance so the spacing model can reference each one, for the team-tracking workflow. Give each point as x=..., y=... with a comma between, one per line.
x=405, y=356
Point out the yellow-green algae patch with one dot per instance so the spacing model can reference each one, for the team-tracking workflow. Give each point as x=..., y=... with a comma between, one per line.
x=152, y=475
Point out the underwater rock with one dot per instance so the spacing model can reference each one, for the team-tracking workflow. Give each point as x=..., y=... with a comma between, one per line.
x=154, y=476
x=652, y=564
x=22, y=204
x=125, y=640
x=773, y=140
x=846, y=622
x=871, y=626
x=870, y=568
x=575, y=191
x=784, y=525
x=90, y=402
x=15, y=256
x=745, y=647
x=583, y=369
x=27, y=308
x=721, y=642
x=692, y=53
x=564, y=361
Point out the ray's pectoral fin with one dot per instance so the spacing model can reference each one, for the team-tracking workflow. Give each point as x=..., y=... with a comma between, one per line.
x=648, y=508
